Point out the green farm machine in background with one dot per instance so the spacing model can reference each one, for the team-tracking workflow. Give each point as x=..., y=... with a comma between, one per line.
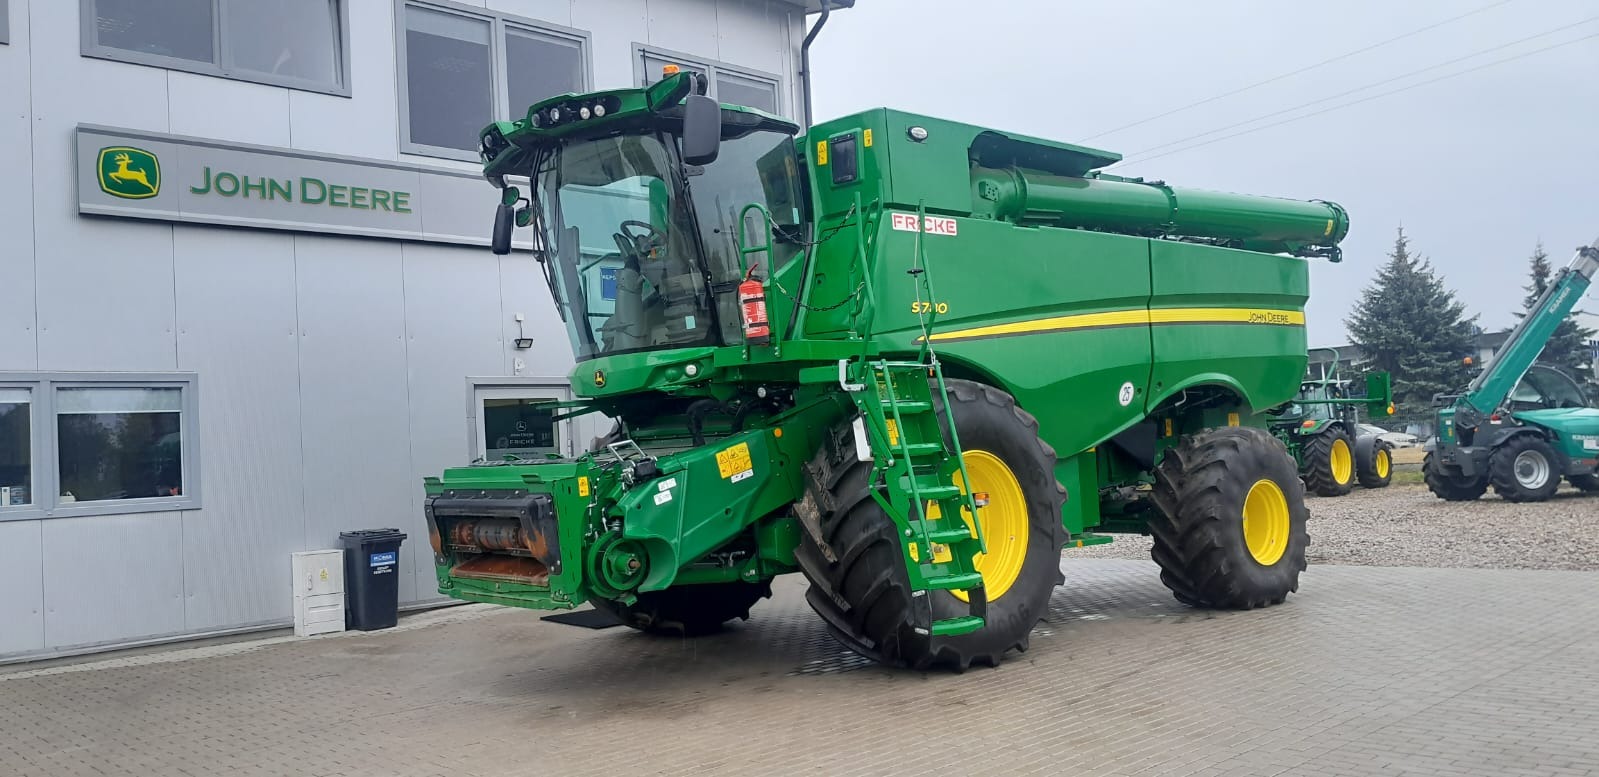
x=908, y=358
x=1321, y=428
x=1520, y=427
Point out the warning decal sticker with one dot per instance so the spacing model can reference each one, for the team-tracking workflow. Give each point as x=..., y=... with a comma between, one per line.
x=735, y=461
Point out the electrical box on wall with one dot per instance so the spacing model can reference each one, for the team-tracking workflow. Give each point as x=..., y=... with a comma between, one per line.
x=318, y=592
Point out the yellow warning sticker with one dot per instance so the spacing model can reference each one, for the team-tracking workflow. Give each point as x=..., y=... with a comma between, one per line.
x=867, y=140
x=734, y=461
x=1232, y=419
x=583, y=486
x=821, y=153
x=1328, y=233
x=893, y=431
x=1168, y=427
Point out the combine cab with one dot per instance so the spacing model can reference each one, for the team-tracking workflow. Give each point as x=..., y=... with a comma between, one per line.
x=910, y=359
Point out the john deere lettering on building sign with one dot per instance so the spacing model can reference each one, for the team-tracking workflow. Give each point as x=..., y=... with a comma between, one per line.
x=146, y=175
x=311, y=191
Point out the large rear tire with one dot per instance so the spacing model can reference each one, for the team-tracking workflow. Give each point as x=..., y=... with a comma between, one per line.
x=688, y=610
x=1229, y=530
x=1377, y=469
x=1524, y=468
x=1448, y=486
x=1329, y=468
x=851, y=553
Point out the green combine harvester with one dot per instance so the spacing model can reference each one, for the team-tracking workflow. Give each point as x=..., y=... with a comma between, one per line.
x=1321, y=428
x=910, y=359
x=1520, y=427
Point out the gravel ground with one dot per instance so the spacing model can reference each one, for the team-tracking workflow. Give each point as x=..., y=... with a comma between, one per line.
x=1406, y=526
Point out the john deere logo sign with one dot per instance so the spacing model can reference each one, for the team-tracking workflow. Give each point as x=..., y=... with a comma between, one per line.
x=124, y=173
x=130, y=173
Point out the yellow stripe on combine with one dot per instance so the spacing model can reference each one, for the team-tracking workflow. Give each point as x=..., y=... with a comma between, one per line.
x=1140, y=317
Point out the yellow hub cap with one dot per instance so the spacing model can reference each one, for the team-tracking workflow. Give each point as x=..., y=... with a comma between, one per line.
x=1004, y=522
x=1383, y=464
x=1266, y=522
x=1343, y=463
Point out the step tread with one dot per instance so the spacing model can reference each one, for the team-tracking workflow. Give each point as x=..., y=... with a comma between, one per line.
x=956, y=582
x=934, y=493
x=950, y=536
x=907, y=407
x=950, y=627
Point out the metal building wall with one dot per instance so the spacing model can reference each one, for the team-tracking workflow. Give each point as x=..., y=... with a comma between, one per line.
x=332, y=371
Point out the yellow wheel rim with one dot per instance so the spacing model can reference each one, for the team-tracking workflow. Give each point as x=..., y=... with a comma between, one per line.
x=1343, y=463
x=1383, y=464
x=1004, y=522
x=1266, y=522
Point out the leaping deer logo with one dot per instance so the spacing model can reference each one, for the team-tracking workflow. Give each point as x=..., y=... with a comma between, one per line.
x=129, y=173
x=122, y=173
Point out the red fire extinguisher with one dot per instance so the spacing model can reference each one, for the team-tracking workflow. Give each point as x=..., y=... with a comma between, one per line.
x=752, y=301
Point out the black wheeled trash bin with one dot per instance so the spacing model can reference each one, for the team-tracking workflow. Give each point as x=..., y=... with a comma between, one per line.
x=371, y=575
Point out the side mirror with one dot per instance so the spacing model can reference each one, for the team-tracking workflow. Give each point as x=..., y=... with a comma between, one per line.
x=702, y=129
x=504, y=223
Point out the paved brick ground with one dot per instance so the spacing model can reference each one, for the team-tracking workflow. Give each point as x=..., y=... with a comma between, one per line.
x=1368, y=671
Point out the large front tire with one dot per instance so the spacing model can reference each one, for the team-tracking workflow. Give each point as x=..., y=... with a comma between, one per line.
x=1524, y=469
x=1229, y=531
x=859, y=584
x=1329, y=468
x=1448, y=486
x=688, y=610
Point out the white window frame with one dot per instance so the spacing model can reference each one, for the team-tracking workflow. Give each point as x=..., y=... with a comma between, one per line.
x=499, y=24
x=35, y=449
x=479, y=389
x=221, y=68
x=45, y=445
x=711, y=68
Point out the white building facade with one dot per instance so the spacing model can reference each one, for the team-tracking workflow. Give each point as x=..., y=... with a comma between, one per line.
x=245, y=297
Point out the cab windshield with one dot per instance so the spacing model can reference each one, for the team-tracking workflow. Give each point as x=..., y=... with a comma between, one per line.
x=645, y=258
x=1543, y=388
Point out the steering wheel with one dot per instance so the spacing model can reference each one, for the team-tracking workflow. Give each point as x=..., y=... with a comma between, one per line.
x=650, y=230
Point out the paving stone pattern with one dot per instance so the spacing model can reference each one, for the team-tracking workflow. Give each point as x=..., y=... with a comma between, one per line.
x=1367, y=671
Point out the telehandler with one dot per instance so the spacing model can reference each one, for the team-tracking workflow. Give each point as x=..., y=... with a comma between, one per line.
x=1520, y=427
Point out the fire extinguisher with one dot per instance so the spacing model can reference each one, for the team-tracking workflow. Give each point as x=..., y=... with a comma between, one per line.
x=752, y=302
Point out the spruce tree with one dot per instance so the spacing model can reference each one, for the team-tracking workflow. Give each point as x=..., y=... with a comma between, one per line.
x=1410, y=325
x=1568, y=350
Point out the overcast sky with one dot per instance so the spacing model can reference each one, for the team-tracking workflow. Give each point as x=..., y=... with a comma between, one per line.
x=1477, y=167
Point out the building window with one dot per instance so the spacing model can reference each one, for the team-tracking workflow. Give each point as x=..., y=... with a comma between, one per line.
x=16, y=447
x=5, y=22
x=300, y=44
x=729, y=84
x=518, y=421
x=461, y=69
x=76, y=444
x=119, y=443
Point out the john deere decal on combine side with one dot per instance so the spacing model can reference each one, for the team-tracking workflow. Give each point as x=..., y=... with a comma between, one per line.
x=910, y=359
